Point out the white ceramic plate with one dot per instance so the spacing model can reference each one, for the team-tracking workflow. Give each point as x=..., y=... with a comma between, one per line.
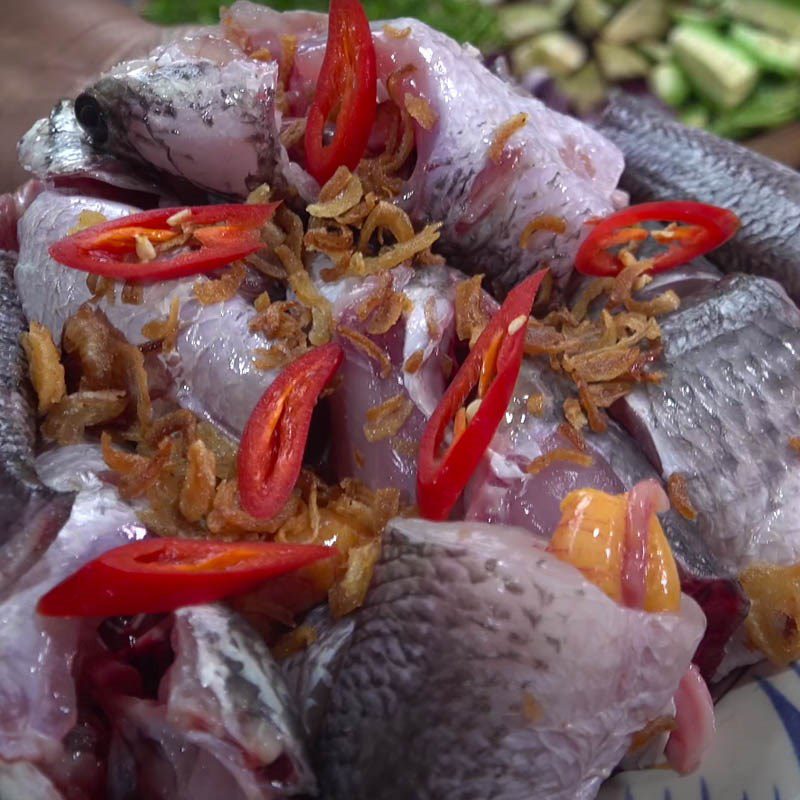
x=756, y=755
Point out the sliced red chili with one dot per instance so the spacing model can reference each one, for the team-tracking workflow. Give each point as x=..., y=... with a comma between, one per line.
x=701, y=228
x=157, y=575
x=274, y=439
x=222, y=233
x=347, y=82
x=492, y=365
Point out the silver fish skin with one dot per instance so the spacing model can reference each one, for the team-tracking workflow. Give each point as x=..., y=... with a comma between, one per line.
x=502, y=491
x=224, y=725
x=197, y=108
x=461, y=680
x=665, y=160
x=57, y=147
x=215, y=347
x=554, y=166
x=723, y=416
x=30, y=513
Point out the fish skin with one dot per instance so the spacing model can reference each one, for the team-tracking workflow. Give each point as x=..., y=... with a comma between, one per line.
x=723, y=416
x=463, y=619
x=30, y=513
x=57, y=147
x=214, y=348
x=665, y=160
x=502, y=492
x=200, y=109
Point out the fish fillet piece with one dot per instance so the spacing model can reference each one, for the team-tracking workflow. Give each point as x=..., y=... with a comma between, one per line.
x=201, y=109
x=495, y=669
x=665, y=160
x=424, y=338
x=555, y=169
x=724, y=414
x=214, y=349
x=503, y=491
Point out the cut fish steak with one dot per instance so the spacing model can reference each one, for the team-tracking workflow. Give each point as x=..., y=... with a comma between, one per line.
x=202, y=109
x=214, y=349
x=460, y=661
x=502, y=491
x=724, y=414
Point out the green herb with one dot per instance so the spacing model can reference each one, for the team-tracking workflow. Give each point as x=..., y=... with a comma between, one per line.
x=464, y=20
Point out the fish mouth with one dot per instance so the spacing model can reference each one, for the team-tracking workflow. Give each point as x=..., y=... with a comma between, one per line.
x=91, y=117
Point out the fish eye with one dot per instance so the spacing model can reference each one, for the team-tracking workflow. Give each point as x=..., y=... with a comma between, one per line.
x=91, y=118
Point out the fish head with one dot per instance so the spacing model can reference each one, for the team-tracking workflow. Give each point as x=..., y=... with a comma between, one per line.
x=198, y=109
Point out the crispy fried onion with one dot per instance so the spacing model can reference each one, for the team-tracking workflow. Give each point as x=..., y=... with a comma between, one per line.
x=308, y=294
x=286, y=324
x=67, y=420
x=559, y=454
x=388, y=418
x=98, y=357
x=104, y=373
x=544, y=222
x=472, y=311
x=382, y=309
x=211, y=291
x=504, y=133
x=340, y=194
x=420, y=111
x=164, y=332
x=368, y=348
x=773, y=624
x=679, y=499
x=44, y=366
x=607, y=354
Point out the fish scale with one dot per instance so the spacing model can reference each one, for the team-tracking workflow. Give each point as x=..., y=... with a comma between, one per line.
x=723, y=416
x=30, y=513
x=665, y=160
x=459, y=679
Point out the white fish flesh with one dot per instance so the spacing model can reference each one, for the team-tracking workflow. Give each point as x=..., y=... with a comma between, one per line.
x=215, y=347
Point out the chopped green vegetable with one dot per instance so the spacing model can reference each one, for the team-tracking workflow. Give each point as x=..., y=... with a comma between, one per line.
x=779, y=16
x=711, y=15
x=590, y=16
x=695, y=116
x=655, y=50
x=620, y=63
x=464, y=20
x=769, y=106
x=772, y=53
x=718, y=70
x=637, y=20
x=668, y=82
x=586, y=89
x=521, y=20
x=559, y=52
